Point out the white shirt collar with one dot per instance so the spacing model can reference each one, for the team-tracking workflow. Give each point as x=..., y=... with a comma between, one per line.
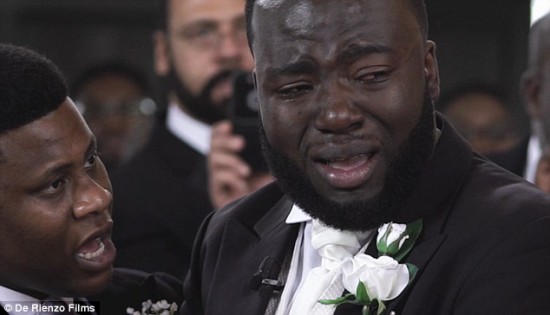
x=16, y=298
x=7, y=294
x=533, y=155
x=11, y=297
x=188, y=129
x=297, y=215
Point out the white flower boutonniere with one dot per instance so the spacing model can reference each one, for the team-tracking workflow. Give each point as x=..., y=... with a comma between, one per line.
x=158, y=308
x=382, y=279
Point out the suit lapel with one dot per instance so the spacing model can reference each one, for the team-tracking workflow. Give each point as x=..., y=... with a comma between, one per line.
x=420, y=257
x=247, y=241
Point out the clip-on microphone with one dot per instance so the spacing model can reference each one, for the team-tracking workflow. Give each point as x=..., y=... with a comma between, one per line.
x=267, y=275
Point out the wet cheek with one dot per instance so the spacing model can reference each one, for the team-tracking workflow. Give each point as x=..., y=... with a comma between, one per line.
x=282, y=129
x=401, y=114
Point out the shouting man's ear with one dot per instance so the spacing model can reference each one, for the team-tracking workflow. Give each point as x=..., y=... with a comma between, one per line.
x=431, y=70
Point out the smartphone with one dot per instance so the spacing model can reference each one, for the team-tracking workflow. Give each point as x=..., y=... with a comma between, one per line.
x=244, y=115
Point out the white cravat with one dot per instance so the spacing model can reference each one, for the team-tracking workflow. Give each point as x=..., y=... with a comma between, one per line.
x=324, y=282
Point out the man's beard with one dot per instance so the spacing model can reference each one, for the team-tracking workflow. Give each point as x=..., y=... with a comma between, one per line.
x=201, y=106
x=403, y=175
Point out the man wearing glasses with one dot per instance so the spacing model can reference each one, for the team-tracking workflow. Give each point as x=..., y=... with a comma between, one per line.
x=162, y=192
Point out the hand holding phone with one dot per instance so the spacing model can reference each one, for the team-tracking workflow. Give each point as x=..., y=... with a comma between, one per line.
x=244, y=115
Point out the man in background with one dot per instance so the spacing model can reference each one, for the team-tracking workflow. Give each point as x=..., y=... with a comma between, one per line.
x=114, y=99
x=531, y=157
x=481, y=115
x=162, y=194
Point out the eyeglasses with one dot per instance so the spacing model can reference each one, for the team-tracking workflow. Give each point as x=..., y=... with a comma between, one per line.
x=95, y=110
x=210, y=35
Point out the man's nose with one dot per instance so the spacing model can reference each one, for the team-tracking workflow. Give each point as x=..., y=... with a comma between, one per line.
x=337, y=113
x=90, y=197
x=233, y=47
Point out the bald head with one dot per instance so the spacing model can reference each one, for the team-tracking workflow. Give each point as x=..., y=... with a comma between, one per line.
x=535, y=84
x=418, y=7
x=539, y=43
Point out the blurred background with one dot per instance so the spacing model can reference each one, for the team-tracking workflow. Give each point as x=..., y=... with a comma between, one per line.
x=482, y=41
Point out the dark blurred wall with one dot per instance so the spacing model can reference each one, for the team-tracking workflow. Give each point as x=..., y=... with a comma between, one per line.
x=477, y=40
x=482, y=41
x=78, y=33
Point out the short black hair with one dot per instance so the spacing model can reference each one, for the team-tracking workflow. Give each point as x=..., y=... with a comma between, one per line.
x=111, y=67
x=418, y=8
x=31, y=86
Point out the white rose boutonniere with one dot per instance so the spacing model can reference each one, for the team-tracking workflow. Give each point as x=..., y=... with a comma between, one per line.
x=377, y=280
x=158, y=308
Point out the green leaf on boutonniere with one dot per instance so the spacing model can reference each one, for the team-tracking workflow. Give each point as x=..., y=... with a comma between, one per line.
x=381, y=308
x=362, y=295
x=413, y=231
x=382, y=245
x=341, y=300
x=376, y=307
x=412, y=271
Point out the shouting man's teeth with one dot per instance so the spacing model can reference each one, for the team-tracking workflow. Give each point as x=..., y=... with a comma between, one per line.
x=93, y=249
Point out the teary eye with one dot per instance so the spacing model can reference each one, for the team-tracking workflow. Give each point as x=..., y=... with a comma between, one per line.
x=374, y=77
x=293, y=91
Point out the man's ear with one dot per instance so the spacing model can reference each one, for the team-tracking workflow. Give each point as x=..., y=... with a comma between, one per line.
x=161, y=53
x=530, y=90
x=431, y=70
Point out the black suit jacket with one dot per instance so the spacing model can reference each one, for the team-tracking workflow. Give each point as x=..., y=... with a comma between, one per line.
x=160, y=200
x=484, y=247
x=129, y=288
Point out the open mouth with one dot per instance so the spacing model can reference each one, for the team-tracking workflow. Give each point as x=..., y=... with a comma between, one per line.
x=347, y=172
x=348, y=164
x=98, y=253
x=92, y=249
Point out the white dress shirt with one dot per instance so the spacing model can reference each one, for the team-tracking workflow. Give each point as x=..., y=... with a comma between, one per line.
x=11, y=298
x=533, y=156
x=188, y=129
x=304, y=258
x=16, y=301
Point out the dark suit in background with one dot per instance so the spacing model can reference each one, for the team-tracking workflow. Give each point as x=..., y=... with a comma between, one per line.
x=160, y=201
x=515, y=159
x=484, y=247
